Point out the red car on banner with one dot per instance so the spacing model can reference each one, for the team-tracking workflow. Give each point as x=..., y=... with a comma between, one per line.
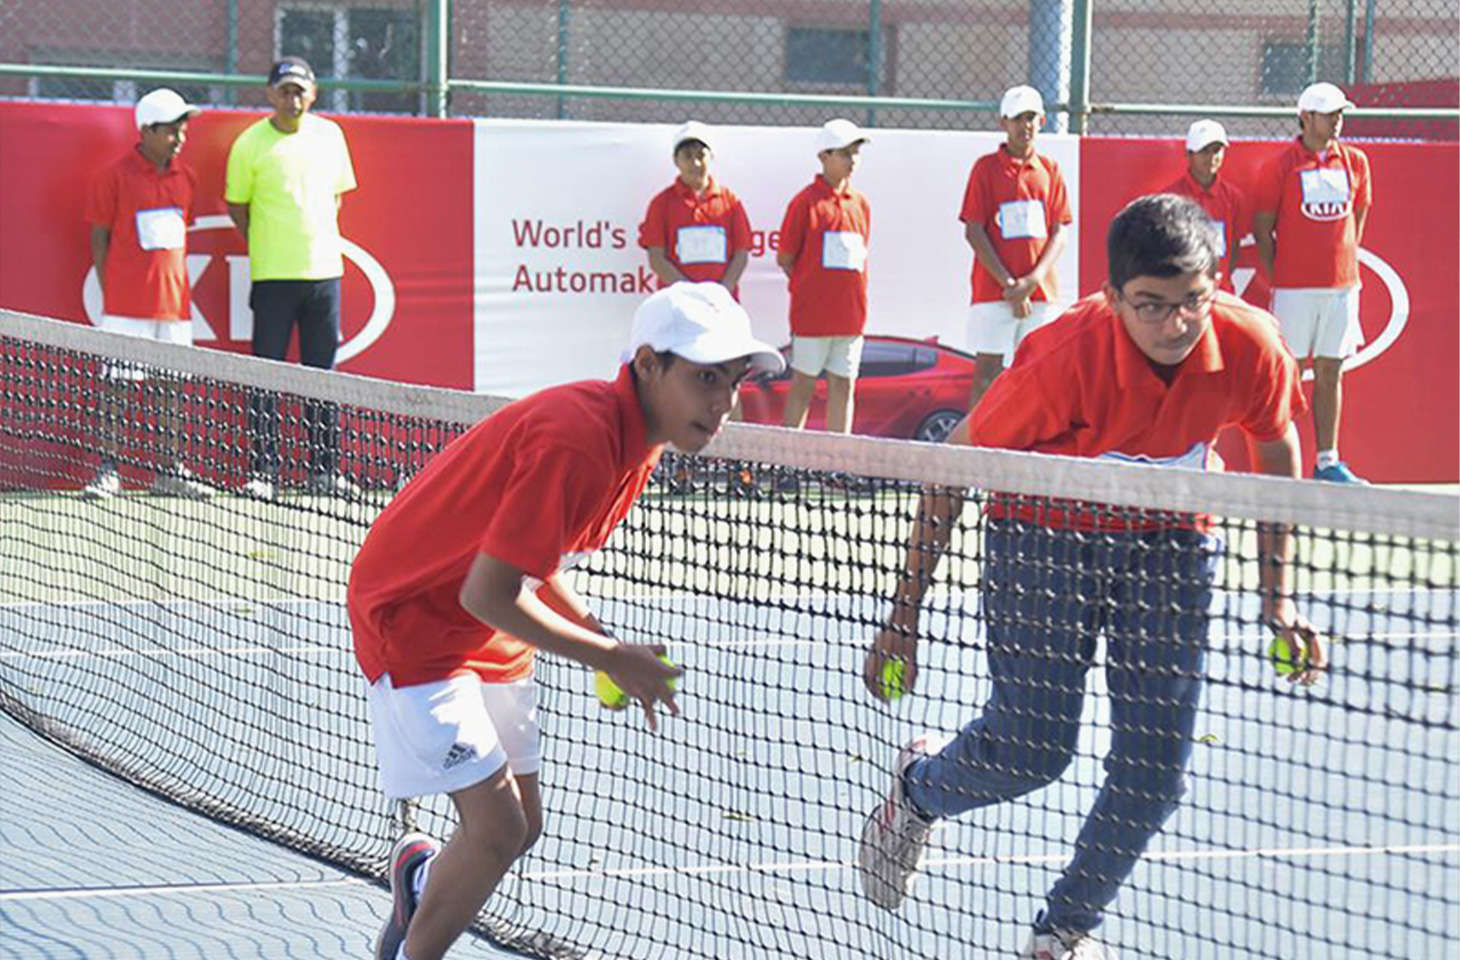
x=907, y=389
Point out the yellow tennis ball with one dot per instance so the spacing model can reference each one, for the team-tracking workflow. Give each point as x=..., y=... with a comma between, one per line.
x=893, y=674
x=1281, y=653
x=611, y=696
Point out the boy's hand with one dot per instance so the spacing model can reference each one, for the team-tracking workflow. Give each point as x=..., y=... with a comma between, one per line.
x=893, y=642
x=642, y=676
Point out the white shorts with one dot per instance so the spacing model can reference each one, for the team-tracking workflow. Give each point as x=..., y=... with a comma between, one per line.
x=452, y=734
x=166, y=331
x=993, y=328
x=839, y=356
x=1322, y=322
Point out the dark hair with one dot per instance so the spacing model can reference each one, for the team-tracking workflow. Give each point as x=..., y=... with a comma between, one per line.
x=690, y=142
x=666, y=360
x=1161, y=235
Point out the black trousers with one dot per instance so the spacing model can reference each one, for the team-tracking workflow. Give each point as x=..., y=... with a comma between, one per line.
x=278, y=307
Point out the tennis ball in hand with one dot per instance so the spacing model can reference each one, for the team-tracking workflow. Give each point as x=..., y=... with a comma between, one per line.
x=1284, y=659
x=612, y=697
x=894, y=673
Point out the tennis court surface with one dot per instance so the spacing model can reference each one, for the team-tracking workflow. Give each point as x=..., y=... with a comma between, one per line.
x=198, y=651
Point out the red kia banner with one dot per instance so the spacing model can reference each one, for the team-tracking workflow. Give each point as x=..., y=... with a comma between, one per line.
x=407, y=289
x=1401, y=407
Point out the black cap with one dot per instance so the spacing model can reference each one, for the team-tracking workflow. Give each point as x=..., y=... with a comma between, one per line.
x=292, y=70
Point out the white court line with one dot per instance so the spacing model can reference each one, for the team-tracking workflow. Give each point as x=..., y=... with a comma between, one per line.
x=87, y=893
x=837, y=865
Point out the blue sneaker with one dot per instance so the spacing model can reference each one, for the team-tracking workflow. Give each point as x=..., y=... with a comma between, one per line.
x=1337, y=473
x=408, y=855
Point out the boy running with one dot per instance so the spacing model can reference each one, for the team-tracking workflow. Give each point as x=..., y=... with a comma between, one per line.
x=459, y=583
x=1151, y=368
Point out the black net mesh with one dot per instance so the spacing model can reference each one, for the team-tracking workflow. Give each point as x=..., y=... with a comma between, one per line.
x=1094, y=630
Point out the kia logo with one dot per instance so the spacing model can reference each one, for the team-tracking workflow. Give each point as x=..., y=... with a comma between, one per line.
x=1398, y=306
x=240, y=316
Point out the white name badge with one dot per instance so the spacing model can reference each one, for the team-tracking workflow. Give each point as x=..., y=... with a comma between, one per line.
x=161, y=228
x=1221, y=226
x=1325, y=185
x=1022, y=218
x=1195, y=458
x=700, y=245
x=843, y=250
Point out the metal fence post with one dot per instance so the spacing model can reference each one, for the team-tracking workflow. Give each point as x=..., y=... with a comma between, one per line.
x=1313, y=52
x=1368, y=41
x=1080, y=67
x=874, y=55
x=230, y=52
x=1050, y=23
x=438, y=58
x=564, y=10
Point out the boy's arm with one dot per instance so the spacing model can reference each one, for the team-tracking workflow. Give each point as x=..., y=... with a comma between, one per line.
x=735, y=268
x=1059, y=236
x=492, y=592
x=663, y=269
x=1283, y=458
x=239, y=213
x=938, y=510
x=1262, y=227
x=101, y=238
x=983, y=250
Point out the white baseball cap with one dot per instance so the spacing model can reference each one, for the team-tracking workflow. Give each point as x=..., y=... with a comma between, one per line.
x=702, y=323
x=835, y=134
x=1323, y=98
x=1203, y=133
x=163, y=106
x=694, y=130
x=1021, y=100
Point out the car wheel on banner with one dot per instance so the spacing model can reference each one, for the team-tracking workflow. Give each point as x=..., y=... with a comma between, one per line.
x=381, y=287
x=936, y=426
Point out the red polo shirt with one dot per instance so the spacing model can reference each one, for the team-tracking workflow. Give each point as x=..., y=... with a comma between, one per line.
x=1314, y=199
x=1082, y=388
x=539, y=484
x=1017, y=202
x=1226, y=206
x=699, y=233
x=147, y=211
x=827, y=232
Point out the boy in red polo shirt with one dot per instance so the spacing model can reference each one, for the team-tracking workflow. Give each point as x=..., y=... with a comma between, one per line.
x=1149, y=369
x=1316, y=193
x=139, y=209
x=1016, y=214
x=696, y=229
x=823, y=253
x=459, y=582
x=1206, y=149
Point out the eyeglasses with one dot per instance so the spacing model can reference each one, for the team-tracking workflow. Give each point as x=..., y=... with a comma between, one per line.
x=1159, y=311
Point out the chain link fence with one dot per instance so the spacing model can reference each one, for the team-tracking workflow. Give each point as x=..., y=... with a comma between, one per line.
x=1105, y=66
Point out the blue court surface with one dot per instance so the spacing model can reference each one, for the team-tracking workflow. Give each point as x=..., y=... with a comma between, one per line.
x=1318, y=823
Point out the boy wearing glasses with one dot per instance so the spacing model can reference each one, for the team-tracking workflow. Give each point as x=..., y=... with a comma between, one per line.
x=1150, y=369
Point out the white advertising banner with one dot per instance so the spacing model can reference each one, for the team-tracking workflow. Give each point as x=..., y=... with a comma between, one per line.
x=558, y=268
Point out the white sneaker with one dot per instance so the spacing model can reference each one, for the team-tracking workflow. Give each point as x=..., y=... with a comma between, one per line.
x=258, y=488
x=108, y=483
x=180, y=482
x=1065, y=945
x=333, y=485
x=894, y=836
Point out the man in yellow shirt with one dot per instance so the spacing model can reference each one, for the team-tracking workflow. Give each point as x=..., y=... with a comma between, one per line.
x=286, y=175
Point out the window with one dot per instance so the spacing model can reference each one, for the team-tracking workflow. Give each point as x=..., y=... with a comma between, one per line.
x=824, y=56
x=881, y=358
x=1285, y=66
x=359, y=42
x=119, y=91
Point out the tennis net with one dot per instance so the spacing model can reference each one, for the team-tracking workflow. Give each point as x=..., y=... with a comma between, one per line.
x=195, y=643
